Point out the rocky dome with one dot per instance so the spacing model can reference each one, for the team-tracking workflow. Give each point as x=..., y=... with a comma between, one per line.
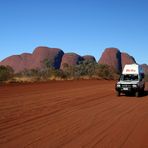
x=18, y=62
x=127, y=59
x=89, y=58
x=54, y=55
x=70, y=59
x=111, y=57
x=35, y=60
x=145, y=68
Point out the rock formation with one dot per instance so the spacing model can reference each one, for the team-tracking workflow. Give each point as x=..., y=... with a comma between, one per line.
x=70, y=59
x=111, y=57
x=35, y=60
x=126, y=59
x=89, y=57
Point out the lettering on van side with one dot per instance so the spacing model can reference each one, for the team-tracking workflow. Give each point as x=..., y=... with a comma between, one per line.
x=130, y=70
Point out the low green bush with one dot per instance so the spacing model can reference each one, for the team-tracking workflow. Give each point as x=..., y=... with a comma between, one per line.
x=6, y=73
x=86, y=69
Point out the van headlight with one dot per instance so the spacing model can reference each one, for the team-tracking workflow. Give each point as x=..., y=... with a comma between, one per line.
x=134, y=86
x=118, y=85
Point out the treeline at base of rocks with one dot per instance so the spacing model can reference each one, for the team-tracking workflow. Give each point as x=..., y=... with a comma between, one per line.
x=87, y=69
x=83, y=70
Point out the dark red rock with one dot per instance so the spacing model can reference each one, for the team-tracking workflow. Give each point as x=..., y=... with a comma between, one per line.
x=145, y=68
x=40, y=54
x=70, y=59
x=126, y=59
x=26, y=60
x=36, y=60
x=89, y=58
x=18, y=62
x=111, y=57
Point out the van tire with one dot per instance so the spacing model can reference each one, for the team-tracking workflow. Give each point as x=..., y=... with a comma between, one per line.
x=118, y=93
x=137, y=94
x=143, y=90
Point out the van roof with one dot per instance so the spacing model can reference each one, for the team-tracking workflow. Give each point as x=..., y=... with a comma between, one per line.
x=132, y=69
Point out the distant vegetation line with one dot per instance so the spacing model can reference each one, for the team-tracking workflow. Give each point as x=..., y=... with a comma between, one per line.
x=83, y=70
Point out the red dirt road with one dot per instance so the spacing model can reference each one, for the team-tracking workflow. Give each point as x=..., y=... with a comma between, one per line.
x=71, y=114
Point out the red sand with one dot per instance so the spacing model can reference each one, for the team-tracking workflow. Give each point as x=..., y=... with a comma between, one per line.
x=71, y=114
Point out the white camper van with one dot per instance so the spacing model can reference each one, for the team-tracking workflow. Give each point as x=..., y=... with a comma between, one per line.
x=131, y=80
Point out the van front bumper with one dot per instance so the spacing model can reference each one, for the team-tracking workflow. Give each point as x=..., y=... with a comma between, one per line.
x=127, y=87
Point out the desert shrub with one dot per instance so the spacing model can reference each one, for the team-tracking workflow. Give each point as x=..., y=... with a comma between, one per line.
x=39, y=74
x=84, y=69
x=49, y=71
x=6, y=72
x=65, y=65
x=28, y=73
x=104, y=71
x=44, y=73
x=89, y=69
x=47, y=63
x=69, y=71
x=31, y=72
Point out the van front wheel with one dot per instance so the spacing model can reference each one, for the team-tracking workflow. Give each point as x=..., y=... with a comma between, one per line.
x=118, y=93
x=137, y=94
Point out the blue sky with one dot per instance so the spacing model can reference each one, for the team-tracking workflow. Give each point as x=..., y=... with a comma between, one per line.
x=81, y=26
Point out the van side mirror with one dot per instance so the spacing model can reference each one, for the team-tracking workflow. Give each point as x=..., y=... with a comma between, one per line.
x=143, y=76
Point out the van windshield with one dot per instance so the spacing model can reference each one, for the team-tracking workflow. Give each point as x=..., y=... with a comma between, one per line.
x=129, y=77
